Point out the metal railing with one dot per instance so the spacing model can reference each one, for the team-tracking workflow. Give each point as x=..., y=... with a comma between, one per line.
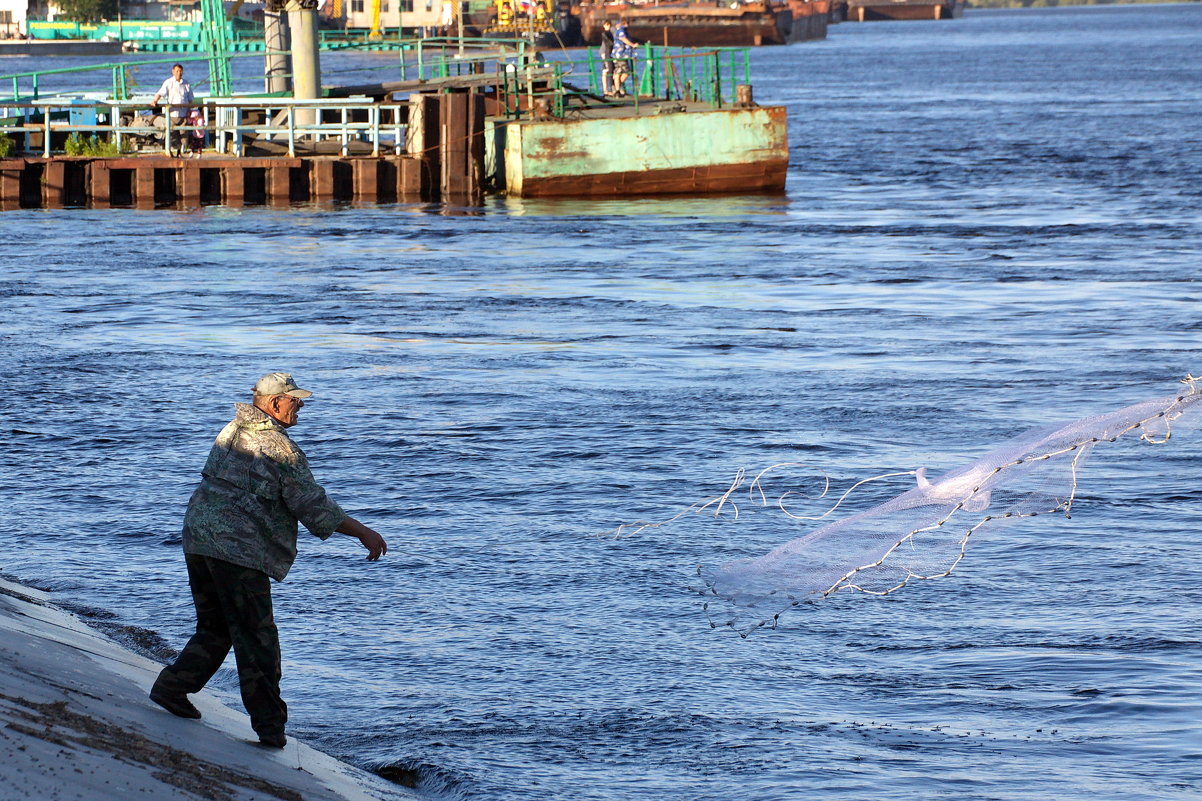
x=306, y=119
x=286, y=122
x=703, y=76
x=446, y=56
x=120, y=87
x=430, y=57
x=660, y=74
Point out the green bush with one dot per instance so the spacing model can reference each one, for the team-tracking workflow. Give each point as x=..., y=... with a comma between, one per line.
x=91, y=146
x=7, y=146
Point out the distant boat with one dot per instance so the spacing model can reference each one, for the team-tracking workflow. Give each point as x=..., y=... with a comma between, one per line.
x=870, y=10
x=58, y=47
x=695, y=23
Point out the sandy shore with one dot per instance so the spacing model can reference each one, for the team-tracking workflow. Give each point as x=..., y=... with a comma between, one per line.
x=76, y=725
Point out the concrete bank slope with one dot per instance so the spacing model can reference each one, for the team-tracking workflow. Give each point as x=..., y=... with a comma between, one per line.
x=76, y=725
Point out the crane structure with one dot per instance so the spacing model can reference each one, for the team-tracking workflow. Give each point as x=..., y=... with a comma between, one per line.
x=215, y=38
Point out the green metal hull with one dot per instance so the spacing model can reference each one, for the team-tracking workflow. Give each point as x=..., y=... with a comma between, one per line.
x=706, y=151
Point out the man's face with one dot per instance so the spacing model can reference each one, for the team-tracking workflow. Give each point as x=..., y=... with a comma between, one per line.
x=177, y=73
x=284, y=408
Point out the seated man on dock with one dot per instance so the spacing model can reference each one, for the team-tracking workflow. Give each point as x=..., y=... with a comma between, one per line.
x=179, y=95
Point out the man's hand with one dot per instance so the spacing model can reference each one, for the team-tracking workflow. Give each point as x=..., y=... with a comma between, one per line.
x=373, y=542
x=375, y=545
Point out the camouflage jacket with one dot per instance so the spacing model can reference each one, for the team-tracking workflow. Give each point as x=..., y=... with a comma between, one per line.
x=257, y=485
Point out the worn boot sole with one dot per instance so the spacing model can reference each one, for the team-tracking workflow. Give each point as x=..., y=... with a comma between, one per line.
x=176, y=705
x=273, y=740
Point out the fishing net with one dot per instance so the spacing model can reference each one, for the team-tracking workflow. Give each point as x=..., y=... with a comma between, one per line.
x=922, y=533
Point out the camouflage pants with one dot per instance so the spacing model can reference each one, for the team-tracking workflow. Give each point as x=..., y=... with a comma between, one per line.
x=233, y=608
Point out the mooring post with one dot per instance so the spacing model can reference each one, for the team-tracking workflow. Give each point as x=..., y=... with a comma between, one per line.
x=454, y=144
x=477, y=113
x=187, y=184
x=366, y=178
x=424, y=138
x=10, y=184
x=279, y=184
x=409, y=179
x=322, y=178
x=233, y=187
x=99, y=184
x=144, y=187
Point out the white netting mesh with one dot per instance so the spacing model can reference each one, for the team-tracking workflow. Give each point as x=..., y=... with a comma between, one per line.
x=922, y=533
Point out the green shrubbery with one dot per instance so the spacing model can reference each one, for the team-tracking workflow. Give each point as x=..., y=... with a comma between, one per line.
x=91, y=146
x=7, y=146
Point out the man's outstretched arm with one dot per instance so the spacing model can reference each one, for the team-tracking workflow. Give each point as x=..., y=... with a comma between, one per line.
x=373, y=542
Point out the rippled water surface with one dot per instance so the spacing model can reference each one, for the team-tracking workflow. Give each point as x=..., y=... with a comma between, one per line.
x=991, y=224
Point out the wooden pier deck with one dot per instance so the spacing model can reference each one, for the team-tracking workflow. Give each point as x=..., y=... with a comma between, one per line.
x=157, y=181
x=443, y=153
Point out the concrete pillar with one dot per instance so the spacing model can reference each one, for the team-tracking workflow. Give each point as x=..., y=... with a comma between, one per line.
x=276, y=70
x=306, y=61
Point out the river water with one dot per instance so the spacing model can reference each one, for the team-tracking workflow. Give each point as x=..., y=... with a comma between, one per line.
x=991, y=224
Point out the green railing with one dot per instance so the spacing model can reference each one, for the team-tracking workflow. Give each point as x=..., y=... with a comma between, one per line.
x=702, y=76
x=26, y=86
x=706, y=76
x=429, y=58
x=447, y=56
x=662, y=74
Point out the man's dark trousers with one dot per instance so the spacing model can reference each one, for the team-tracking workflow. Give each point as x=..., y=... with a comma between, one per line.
x=233, y=608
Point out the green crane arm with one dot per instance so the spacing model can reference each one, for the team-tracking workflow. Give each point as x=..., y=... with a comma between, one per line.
x=215, y=35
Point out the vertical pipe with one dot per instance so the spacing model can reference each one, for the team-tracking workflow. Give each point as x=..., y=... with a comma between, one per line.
x=292, y=131
x=306, y=64
x=275, y=50
x=374, y=114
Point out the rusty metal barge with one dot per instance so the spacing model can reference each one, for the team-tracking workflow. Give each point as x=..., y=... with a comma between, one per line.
x=696, y=23
x=876, y=10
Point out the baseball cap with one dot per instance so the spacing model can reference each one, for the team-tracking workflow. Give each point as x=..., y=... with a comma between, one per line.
x=280, y=384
